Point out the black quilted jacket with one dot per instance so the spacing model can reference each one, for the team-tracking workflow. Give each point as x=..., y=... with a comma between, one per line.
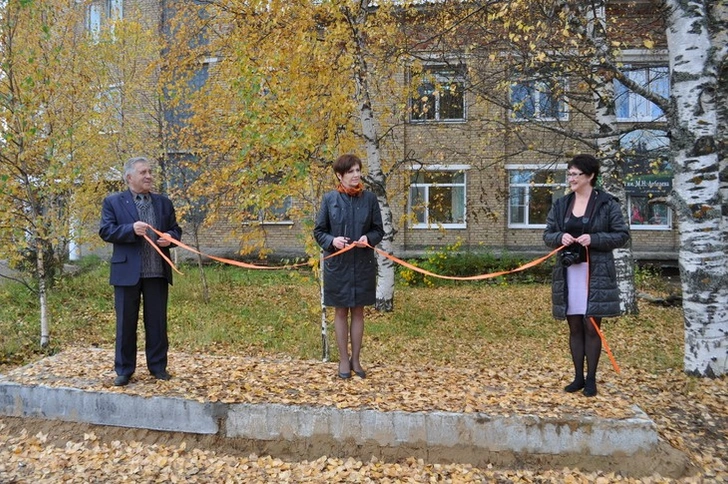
x=608, y=231
x=350, y=279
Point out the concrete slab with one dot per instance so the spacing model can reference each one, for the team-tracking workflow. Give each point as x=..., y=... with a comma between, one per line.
x=301, y=410
x=272, y=421
x=100, y=408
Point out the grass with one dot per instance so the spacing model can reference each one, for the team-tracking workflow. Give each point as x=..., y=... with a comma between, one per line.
x=275, y=313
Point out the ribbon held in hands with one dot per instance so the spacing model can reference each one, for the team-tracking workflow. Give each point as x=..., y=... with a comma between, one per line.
x=219, y=259
x=401, y=262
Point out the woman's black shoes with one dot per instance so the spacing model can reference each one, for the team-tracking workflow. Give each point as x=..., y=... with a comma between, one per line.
x=347, y=375
x=574, y=386
x=344, y=375
x=590, y=388
x=361, y=373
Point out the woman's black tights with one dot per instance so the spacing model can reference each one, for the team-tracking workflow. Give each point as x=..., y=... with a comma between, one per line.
x=584, y=342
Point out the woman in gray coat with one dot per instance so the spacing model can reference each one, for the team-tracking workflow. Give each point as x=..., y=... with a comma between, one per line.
x=349, y=215
x=590, y=223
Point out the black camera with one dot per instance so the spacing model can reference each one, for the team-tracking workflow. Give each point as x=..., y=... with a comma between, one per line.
x=573, y=254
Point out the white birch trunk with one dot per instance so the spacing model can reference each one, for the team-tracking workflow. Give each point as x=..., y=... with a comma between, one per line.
x=719, y=32
x=608, y=146
x=377, y=180
x=42, y=296
x=375, y=176
x=697, y=196
x=324, y=324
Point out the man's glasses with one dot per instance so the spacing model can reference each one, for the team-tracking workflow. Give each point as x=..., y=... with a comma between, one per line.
x=573, y=174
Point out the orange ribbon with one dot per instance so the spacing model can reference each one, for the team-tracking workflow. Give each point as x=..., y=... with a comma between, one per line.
x=228, y=261
x=596, y=326
x=219, y=259
x=465, y=278
x=606, y=346
x=156, y=247
x=480, y=277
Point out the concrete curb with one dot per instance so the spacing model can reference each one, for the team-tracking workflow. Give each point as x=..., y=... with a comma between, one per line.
x=74, y=405
x=522, y=434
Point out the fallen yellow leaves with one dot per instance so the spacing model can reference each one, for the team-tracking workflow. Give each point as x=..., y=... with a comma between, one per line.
x=206, y=378
x=692, y=415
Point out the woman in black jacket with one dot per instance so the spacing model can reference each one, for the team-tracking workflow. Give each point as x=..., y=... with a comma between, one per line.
x=349, y=215
x=590, y=223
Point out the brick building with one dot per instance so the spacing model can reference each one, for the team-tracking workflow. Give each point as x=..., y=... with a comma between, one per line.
x=479, y=177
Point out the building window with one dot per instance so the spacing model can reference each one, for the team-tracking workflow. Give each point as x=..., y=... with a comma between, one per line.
x=110, y=110
x=101, y=13
x=532, y=190
x=277, y=213
x=648, y=216
x=649, y=177
x=437, y=196
x=93, y=19
x=538, y=100
x=178, y=115
x=440, y=95
x=271, y=204
x=635, y=108
x=114, y=9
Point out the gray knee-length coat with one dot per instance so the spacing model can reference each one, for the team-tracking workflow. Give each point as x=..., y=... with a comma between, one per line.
x=350, y=279
x=608, y=231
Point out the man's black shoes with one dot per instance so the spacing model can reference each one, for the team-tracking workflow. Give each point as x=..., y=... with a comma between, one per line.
x=162, y=375
x=122, y=380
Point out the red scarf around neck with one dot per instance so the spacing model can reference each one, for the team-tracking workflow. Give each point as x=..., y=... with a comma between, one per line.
x=352, y=192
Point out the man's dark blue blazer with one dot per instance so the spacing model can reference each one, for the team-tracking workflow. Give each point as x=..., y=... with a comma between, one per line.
x=118, y=214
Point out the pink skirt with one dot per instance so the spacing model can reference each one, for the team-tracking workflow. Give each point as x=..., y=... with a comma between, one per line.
x=576, y=284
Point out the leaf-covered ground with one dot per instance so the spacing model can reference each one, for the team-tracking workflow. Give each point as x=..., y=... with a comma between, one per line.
x=470, y=348
x=233, y=379
x=691, y=415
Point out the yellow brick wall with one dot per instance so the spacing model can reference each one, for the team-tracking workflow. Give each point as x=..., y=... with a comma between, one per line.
x=484, y=146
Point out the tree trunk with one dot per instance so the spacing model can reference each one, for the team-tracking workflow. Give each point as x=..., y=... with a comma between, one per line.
x=697, y=198
x=42, y=295
x=608, y=146
x=375, y=177
x=324, y=326
x=203, y=277
x=377, y=182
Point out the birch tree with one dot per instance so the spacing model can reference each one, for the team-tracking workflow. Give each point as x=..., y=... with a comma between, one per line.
x=696, y=35
x=43, y=99
x=60, y=127
x=608, y=139
x=294, y=79
x=360, y=31
x=573, y=50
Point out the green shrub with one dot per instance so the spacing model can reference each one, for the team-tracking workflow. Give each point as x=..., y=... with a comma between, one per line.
x=450, y=261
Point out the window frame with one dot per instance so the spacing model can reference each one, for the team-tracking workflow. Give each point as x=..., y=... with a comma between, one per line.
x=101, y=14
x=94, y=19
x=434, y=70
x=559, y=190
x=284, y=208
x=667, y=226
x=634, y=101
x=428, y=224
x=562, y=106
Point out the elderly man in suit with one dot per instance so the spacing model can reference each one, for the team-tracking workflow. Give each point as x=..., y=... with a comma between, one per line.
x=138, y=272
